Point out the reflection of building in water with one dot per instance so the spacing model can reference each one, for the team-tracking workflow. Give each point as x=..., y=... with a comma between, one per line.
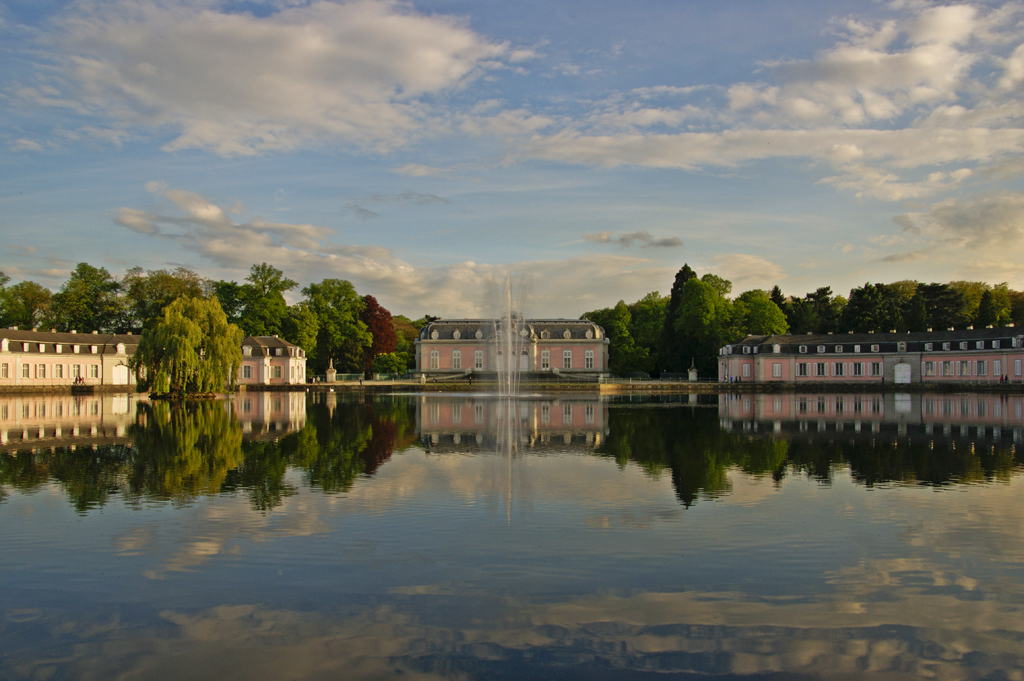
x=270, y=414
x=451, y=423
x=992, y=416
x=45, y=420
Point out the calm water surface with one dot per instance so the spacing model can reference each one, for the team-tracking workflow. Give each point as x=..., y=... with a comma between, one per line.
x=295, y=536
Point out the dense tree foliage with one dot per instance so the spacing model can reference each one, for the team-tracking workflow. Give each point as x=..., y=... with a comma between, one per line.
x=381, y=329
x=341, y=336
x=88, y=301
x=192, y=349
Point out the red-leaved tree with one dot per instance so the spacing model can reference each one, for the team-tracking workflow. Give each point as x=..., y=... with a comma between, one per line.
x=378, y=323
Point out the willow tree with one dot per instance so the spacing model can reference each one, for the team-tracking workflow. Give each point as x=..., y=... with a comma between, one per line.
x=192, y=349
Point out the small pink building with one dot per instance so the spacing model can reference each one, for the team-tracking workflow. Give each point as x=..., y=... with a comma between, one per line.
x=966, y=356
x=269, y=360
x=467, y=346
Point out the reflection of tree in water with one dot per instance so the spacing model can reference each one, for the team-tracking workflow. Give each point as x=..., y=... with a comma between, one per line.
x=690, y=443
x=184, y=451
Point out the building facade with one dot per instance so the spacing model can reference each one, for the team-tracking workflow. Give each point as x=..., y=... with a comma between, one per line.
x=970, y=355
x=269, y=360
x=41, y=358
x=467, y=346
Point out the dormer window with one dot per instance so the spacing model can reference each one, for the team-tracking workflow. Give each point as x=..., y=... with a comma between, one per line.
x=24, y=347
x=246, y=351
x=76, y=349
x=980, y=345
x=928, y=346
x=856, y=348
x=874, y=348
x=839, y=348
x=821, y=348
x=42, y=347
x=901, y=346
x=963, y=345
x=945, y=346
x=120, y=348
x=776, y=349
x=995, y=345
x=94, y=349
x=803, y=349
x=58, y=348
x=746, y=349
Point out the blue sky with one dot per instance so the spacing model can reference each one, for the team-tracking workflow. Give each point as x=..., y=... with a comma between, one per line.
x=422, y=149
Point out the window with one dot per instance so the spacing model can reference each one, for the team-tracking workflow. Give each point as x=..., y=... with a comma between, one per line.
x=995, y=345
x=980, y=345
x=838, y=369
x=1016, y=367
x=928, y=368
x=947, y=368
x=567, y=359
x=777, y=370
x=93, y=349
x=776, y=349
x=25, y=369
x=803, y=349
x=478, y=359
x=588, y=413
x=964, y=368
x=874, y=348
x=876, y=368
x=746, y=371
x=901, y=346
x=856, y=348
x=58, y=347
x=821, y=348
x=40, y=371
x=94, y=371
x=58, y=371
x=928, y=346
x=545, y=359
x=76, y=348
x=588, y=359
x=997, y=367
x=247, y=371
x=545, y=413
x=5, y=369
x=275, y=372
x=839, y=348
x=76, y=371
x=801, y=369
x=566, y=413
x=246, y=351
x=820, y=369
x=456, y=359
x=963, y=345
x=435, y=359
x=746, y=349
x=981, y=368
x=945, y=346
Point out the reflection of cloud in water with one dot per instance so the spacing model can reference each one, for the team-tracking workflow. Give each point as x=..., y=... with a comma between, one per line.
x=938, y=636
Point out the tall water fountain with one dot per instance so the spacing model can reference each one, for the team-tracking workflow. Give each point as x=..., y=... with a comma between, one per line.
x=509, y=333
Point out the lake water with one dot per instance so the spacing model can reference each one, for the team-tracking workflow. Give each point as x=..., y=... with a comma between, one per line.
x=311, y=536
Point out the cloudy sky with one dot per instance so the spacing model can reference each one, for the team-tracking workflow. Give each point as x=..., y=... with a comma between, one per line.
x=423, y=149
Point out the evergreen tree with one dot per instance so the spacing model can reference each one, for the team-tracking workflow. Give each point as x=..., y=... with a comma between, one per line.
x=670, y=349
x=88, y=301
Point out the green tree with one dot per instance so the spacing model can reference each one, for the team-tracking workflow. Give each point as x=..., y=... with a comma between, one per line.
x=754, y=313
x=192, y=350
x=968, y=300
x=88, y=301
x=705, y=323
x=670, y=347
x=341, y=335
x=994, y=309
x=264, y=309
x=389, y=363
x=146, y=294
x=24, y=305
x=300, y=327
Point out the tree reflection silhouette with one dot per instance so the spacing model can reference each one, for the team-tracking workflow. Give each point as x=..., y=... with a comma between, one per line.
x=692, y=445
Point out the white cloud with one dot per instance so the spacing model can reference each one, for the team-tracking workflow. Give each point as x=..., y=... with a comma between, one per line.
x=747, y=271
x=981, y=222
x=419, y=170
x=308, y=253
x=643, y=237
x=238, y=84
x=26, y=145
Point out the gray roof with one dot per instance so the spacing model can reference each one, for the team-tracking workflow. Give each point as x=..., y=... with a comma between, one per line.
x=106, y=342
x=887, y=342
x=536, y=328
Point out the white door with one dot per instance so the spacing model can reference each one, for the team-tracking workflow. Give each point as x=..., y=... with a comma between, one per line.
x=120, y=376
x=902, y=372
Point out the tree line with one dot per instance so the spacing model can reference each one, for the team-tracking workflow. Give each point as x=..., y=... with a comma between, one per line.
x=666, y=334
x=332, y=322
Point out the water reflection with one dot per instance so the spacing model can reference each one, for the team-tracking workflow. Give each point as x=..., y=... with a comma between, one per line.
x=469, y=423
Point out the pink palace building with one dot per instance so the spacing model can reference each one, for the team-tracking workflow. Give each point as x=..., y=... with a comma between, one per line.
x=966, y=356
x=556, y=346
